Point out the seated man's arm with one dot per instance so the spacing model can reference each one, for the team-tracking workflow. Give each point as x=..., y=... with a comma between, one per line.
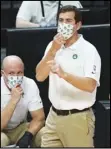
x=20, y=23
x=38, y=119
x=7, y=112
x=35, y=125
x=35, y=107
x=25, y=14
x=36, y=110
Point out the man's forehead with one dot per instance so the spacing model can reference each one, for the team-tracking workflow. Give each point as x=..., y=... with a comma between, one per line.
x=13, y=67
x=13, y=70
x=69, y=15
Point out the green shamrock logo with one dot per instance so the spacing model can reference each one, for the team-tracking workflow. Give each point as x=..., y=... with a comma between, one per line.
x=75, y=56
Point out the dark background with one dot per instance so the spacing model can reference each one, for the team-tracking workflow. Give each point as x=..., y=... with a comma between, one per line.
x=30, y=45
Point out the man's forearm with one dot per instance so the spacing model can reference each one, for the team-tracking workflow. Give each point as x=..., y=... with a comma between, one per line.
x=82, y=83
x=22, y=23
x=35, y=125
x=42, y=69
x=7, y=113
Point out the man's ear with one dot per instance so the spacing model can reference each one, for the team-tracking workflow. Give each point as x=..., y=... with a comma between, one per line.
x=2, y=72
x=79, y=24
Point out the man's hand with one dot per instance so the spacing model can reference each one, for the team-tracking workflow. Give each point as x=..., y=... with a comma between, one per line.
x=25, y=141
x=55, y=68
x=16, y=94
x=58, y=41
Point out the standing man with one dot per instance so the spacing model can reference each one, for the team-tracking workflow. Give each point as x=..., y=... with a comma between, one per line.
x=40, y=13
x=73, y=66
x=19, y=95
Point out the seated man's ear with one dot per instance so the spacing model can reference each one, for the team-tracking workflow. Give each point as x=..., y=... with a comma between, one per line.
x=2, y=72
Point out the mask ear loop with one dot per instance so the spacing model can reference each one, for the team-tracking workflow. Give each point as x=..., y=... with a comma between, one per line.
x=4, y=72
x=6, y=79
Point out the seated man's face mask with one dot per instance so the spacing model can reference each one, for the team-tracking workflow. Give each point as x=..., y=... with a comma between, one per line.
x=66, y=30
x=13, y=81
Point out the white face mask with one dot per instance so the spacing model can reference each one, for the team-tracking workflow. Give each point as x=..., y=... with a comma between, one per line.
x=13, y=81
x=66, y=30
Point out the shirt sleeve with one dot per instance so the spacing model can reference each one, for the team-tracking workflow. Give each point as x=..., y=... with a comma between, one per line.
x=25, y=10
x=3, y=104
x=35, y=102
x=92, y=66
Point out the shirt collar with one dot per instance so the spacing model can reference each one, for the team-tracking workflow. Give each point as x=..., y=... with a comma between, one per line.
x=74, y=45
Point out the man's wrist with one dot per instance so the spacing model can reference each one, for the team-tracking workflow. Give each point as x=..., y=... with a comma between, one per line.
x=53, y=52
x=65, y=75
x=13, y=102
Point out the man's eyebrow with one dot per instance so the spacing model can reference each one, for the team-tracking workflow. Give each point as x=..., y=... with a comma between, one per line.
x=60, y=18
x=65, y=19
x=69, y=19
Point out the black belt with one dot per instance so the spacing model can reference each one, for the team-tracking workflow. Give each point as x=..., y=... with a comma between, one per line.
x=67, y=112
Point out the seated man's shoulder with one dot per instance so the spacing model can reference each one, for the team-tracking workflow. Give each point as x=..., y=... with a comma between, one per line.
x=29, y=82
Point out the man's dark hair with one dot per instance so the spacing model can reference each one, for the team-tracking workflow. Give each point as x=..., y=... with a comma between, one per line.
x=69, y=8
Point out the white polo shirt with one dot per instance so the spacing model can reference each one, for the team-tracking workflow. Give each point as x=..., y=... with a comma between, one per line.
x=30, y=101
x=81, y=59
x=31, y=11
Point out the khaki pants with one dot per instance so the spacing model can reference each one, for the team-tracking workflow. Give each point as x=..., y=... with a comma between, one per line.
x=74, y=130
x=12, y=136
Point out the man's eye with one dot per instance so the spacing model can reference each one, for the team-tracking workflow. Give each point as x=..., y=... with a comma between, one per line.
x=60, y=20
x=11, y=73
x=69, y=20
x=20, y=73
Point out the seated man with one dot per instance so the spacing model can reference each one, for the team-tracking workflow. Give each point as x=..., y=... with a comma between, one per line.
x=19, y=95
x=40, y=13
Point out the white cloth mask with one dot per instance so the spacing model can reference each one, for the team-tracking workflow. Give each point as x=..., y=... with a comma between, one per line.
x=66, y=30
x=13, y=81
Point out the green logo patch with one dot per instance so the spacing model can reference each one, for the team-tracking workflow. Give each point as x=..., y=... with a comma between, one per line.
x=75, y=56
